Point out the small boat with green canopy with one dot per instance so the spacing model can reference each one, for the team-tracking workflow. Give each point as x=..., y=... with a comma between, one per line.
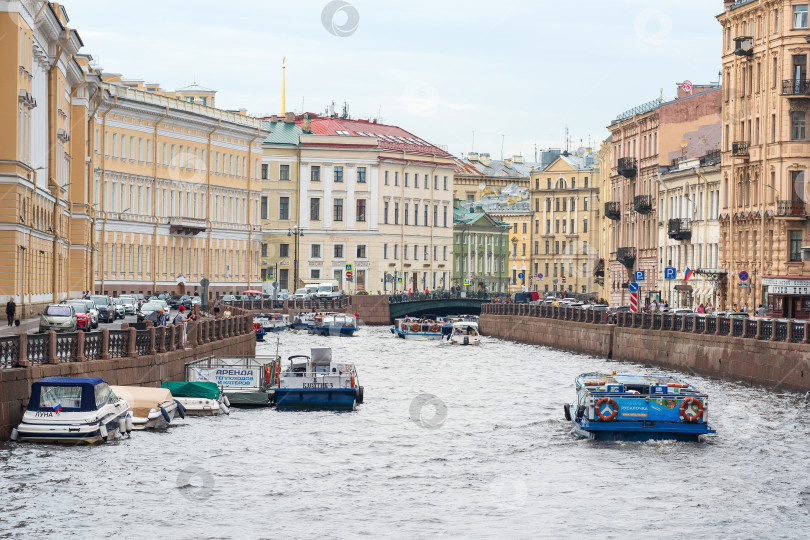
x=199, y=398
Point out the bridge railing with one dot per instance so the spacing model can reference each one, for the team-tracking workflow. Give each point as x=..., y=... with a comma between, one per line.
x=399, y=298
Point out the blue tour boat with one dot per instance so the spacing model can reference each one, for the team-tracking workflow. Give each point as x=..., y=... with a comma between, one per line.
x=622, y=406
x=318, y=382
x=333, y=324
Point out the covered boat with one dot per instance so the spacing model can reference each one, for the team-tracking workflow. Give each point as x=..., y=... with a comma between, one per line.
x=421, y=328
x=151, y=408
x=317, y=382
x=638, y=407
x=73, y=410
x=333, y=324
x=302, y=320
x=198, y=398
x=272, y=322
x=245, y=381
x=464, y=333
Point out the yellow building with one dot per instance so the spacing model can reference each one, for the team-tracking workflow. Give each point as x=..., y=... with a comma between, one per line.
x=42, y=106
x=566, y=225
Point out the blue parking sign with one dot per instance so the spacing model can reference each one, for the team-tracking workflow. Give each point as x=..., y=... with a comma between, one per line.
x=639, y=275
x=670, y=272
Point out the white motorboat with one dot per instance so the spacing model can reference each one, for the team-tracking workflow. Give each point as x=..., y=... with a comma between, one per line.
x=318, y=382
x=73, y=410
x=464, y=333
x=151, y=408
x=199, y=398
x=421, y=329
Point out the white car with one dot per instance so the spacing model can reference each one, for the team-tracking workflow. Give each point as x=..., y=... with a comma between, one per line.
x=130, y=304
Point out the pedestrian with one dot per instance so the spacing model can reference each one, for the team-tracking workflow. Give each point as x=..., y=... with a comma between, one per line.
x=734, y=308
x=356, y=315
x=181, y=318
x=11, y=310
x=701, y=309
x=745, y=308
x=760, y=311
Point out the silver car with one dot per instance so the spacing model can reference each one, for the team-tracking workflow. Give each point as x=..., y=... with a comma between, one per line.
x=130, y=304
x=58, y=317
x=120, y=310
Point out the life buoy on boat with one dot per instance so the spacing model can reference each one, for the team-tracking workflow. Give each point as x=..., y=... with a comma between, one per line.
x=415, y=327
x=613, y=405
x=678, y=385
x=267, y=375
x=435, y=328
x=686, y=405
x=257, y=327
x=594, y=383
x=277, y=377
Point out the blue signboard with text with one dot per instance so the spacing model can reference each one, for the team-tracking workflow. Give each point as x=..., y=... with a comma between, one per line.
x=639, y=275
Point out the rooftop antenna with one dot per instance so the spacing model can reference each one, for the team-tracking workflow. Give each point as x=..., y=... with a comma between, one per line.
x=473, y=145
x=379, y=115
x=535, y=152
x=502, y=139
x=566, y=138
x=283, y=85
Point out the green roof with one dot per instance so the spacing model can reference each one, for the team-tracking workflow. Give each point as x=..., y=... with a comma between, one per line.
x=462, y=216
x=282, y=133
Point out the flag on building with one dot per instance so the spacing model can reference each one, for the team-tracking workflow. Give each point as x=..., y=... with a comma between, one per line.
x=687, y=274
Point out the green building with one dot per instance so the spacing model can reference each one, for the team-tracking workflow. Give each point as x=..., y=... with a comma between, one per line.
x=480, y=250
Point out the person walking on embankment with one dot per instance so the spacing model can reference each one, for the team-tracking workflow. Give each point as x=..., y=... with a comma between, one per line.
x=11, y=310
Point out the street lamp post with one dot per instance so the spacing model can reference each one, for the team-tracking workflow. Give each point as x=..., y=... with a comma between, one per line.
x=297, y=233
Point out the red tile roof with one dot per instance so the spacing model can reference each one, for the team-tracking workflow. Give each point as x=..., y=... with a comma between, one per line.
x=391, y=138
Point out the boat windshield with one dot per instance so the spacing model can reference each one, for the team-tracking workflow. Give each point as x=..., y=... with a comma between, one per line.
x=68, y=397
x=103, y=394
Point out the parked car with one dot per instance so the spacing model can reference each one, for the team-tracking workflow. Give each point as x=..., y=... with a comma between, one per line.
x=150, y=307
x=680, y=311
x=59, y=318
x=91, y=309
x=180, y=300
x=120, y=310
x=596, y=307
x=106, y=309
x=130, y=304
x=196, y=300
x=329, y=289
x=83, y=319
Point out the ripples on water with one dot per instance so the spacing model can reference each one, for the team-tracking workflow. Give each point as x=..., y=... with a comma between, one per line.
x=490, y=456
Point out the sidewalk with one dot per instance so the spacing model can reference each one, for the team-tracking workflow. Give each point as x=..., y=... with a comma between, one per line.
x=27, y=325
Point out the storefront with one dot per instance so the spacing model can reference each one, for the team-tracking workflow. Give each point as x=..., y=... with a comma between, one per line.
x=787, y=297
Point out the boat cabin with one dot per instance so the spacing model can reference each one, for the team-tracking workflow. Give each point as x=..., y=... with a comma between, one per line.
x=70, y=394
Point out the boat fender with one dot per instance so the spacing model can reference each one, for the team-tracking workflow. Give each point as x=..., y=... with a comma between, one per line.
x=686, y=404
x=567, y=409
x=102, y=428
x=165, y=414
x=267, y=375
x=122, y=426
x=360, y=394
x=580, y=412
x=226, y=401
x=224, y=409
x=180, y=409
x=613, y=405
x=14, y=434
x=352, y=381
x=129, y=424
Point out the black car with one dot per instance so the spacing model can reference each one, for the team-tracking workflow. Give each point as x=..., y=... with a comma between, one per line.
x=178, y=300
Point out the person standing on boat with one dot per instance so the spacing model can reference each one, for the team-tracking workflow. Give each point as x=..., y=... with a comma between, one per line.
x=11, y=310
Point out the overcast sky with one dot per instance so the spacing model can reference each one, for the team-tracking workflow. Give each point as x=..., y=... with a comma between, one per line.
x=516, y=69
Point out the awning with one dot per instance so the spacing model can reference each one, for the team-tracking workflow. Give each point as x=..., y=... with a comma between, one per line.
x=683, y=288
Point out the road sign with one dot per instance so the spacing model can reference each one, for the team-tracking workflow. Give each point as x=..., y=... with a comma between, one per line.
x=521, y=275
x=399, y=280
x=539, y=276
x=349, y=267
x=348, y=275
x=743, y=276
x=686, y=86
x=670, y=272
x=744, y=284
x=639, y=275
x=563, y=279
x=634, y=302
x=633, y=286
x=466, y=282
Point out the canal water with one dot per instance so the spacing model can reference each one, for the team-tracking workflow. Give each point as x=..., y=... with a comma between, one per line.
x=458, y=442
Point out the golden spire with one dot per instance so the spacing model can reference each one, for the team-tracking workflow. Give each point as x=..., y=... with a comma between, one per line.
x=283, y=85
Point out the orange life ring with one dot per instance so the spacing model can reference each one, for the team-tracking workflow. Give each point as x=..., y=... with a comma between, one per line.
x=686, y=403
x=348, y=325
x=678, y=385
x=267, y=374
x=257, y=327
x=415, y=327
x=352, y=381
x=277, y=377
x=610, y=401
x=435, y=328
x=594, y=383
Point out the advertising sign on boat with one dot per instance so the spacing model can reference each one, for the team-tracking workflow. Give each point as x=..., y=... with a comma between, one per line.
x=227, y=377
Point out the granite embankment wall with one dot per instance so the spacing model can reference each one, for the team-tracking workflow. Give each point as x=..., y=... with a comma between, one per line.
x=775, y=364
x=127, y=357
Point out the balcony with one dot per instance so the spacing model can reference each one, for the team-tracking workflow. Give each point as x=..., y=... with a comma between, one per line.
x=642, y=204
x=796, y=88
x=613, y=210
x=744, y=46
x=712, y=157
x=186, y=226
x=626, y=256
x=790, y=208
x=679, y=229
x=739, y=149
x=627, y=167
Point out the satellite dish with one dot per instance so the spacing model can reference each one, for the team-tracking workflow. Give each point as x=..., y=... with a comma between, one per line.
x=482, y=186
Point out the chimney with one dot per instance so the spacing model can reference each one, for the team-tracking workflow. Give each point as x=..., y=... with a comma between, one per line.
x=517, y=159
x=508, y=163
x=243, y=112
x=289, y=118
x=484, y=159
x=307, y=127
x=472, y=156
x=274, y=119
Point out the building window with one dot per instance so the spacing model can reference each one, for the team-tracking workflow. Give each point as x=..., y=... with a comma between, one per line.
x=338, y=210
x=361, y=209
x=396, y=251
x=427, y=224
x=396, y=213
x=396, y=178
x=284, y=208
x=264, y=207
x=407, y=212
x=315, y=209
x=283, y=172
x=585, y=225
x=797, y=121
x=386, y=178
x=338, y=248
x=445, y=217
x=556, y=248
x=315, y=273
x=264, y=250
x=361, y=175
x=264, y=171
x=385, y=251
x=315, y=251
x=284, y=250
x=338, y=174
x=315, y=173
x=385, y=212
x=800, y=16
x=795, y=246
x=445, y=184
x=435, y=214
x=514, y=228
x=361, y=251
x=524, y=228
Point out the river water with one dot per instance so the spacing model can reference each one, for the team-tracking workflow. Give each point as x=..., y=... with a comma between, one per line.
x=451, y=442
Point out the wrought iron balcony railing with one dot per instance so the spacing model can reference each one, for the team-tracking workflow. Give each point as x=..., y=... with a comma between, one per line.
x=796, y=87
x=642, y=204
x=627, y=167
x=626, y=256
x=613, y=210
x=790, y=208
x=739, y=149
x=679, y=229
